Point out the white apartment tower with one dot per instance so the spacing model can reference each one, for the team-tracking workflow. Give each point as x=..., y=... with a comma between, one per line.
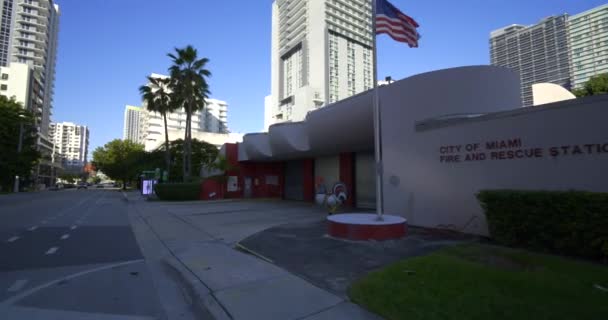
x=148, y=128
x=212, y=119
x=540, y=53
x=588, y=35
x=321, y=53
x=28, y=35
x=71, y=144
x=132, y=124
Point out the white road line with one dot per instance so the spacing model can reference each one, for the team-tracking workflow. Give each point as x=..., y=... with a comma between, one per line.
x=73, y=227
x=33, y=228
x=52, y=250
x=18, y=285
x=31, y=291
x=65, y=236
x=44, y=222
x=13, y=239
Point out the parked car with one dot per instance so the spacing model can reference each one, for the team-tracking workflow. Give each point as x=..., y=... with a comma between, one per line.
x=82, y=185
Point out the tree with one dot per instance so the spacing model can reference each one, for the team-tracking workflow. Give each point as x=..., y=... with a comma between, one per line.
x=69, y=177
x=189, y=90
x=203, y=155
x=158, y=99
x=596, y=85
x=119, y=160
x=14, y=119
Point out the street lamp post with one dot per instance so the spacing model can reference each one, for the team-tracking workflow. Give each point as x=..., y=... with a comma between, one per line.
x=19, y=147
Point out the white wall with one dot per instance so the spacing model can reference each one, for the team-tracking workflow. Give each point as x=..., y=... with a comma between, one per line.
x=429, y=191
x=217, y=139
x=18, y=82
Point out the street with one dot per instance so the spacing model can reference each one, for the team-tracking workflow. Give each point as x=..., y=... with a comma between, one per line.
x=71, y=254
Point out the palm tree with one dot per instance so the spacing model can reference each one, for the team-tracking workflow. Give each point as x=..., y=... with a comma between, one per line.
x=157, y=97
x=190, y=89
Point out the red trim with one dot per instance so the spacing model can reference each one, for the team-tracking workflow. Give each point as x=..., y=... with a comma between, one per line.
x=347, y=166
x=366, y=232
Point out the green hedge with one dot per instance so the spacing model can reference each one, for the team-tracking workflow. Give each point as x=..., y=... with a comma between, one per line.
x=566, y=222
x=178, y=191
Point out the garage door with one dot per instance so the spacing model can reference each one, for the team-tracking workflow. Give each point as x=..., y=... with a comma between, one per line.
x=294, y=180
x=365, y=180
x=327, y=168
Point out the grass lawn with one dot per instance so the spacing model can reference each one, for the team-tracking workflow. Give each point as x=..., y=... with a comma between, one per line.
x=485, y=282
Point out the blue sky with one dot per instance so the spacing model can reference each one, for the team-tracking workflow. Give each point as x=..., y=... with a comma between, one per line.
x=108, y=47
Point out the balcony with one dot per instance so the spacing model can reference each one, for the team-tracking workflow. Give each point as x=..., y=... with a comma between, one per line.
x=31, y=30
x=32, y=23
x=30, y=38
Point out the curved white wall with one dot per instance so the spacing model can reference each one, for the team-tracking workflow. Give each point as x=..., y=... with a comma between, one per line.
x=348, y=125
x=543, y=93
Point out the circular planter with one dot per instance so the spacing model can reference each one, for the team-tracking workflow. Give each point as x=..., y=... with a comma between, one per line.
x=364, y=226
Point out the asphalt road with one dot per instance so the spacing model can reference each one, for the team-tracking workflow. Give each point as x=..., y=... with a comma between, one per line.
x=71, y=254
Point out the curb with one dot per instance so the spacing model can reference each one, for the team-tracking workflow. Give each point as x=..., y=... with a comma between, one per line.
x=204, y=304
x=241, y=247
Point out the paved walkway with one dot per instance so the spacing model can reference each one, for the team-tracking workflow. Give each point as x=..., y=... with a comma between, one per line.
x=228, y=283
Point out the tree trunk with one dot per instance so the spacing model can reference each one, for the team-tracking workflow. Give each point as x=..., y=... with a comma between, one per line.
x=189, y=142
x=185, y=149
x=167, y=151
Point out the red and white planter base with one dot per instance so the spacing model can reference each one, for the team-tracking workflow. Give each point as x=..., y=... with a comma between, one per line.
x=363, y=226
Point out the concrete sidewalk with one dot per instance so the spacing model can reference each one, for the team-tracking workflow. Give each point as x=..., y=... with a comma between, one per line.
x=229, y=284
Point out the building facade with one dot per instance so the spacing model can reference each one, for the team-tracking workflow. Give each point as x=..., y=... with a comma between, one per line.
x=148, y=128
x=207, y=124
x=28, y=48
x=28, y=35
x=439, y=153
x=321, y=53
x=540, y=53
x=71, y=145
x=132, y=123
x=588, y=35
x=21, y=82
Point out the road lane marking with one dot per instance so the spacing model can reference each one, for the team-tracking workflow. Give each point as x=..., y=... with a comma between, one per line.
x=31, y=291
x=33, y=228
x=52, y=250
x=44, y=222
x=13, y=239
x=18, y=285
x=73, y=227
x=65, y=236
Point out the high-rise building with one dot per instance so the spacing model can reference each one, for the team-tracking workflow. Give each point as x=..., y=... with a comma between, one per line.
x=21, y=82
x=28, y=35
x=538, y=52
x=321, y=53
x=588, y=34
x=132, y=127
x=148, y=128
x=71, y=144
x=212, y=119
x=28, y=48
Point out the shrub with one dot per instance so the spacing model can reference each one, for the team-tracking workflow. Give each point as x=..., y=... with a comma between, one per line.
x=566, y=222
x=178, y=191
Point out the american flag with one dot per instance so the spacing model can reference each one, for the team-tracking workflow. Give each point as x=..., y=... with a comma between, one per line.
x=396, y=24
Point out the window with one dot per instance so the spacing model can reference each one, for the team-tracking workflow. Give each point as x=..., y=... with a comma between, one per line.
x=5, y=76
x=3, y=87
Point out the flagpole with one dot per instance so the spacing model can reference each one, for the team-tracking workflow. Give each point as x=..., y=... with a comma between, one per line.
x=377, y=123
